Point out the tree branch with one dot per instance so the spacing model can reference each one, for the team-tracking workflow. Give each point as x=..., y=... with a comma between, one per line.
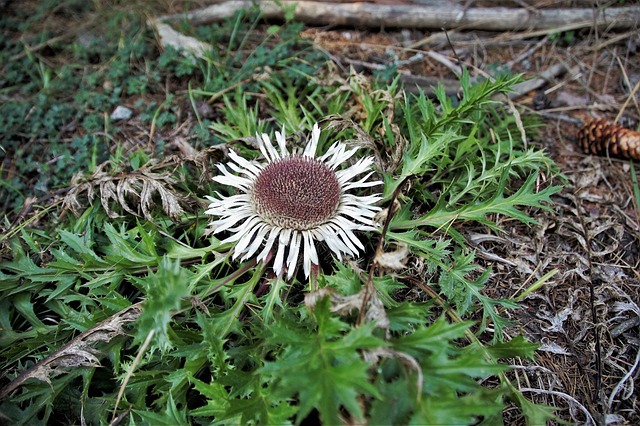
x=445, y=15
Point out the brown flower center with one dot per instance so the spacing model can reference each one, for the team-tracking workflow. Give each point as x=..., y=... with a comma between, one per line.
x=297, y=193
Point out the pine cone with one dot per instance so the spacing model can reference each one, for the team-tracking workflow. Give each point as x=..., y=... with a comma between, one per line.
x=603, y=137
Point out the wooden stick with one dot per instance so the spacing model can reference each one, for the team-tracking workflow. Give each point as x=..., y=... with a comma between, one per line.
x=446, y=15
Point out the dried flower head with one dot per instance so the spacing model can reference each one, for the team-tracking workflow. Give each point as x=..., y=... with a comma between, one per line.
x=295, y=199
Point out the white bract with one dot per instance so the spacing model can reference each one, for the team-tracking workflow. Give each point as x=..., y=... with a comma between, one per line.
x=292, y=200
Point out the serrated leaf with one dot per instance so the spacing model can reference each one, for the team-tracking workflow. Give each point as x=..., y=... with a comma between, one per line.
x=535, y=414
x=433, y=338
x=405, y=316
x=172, y=415
x=525, y=196
x=456, y=369
x=260, y=408
x=386, y=286
x=427, y=248
x=456, y=410
x=330, y=372
x=81, y=246
x=238, y=295
x=396, y=403
x=478, y=211
x=273, y=299
x=22, y=303
x=422, y=160
x=165, y=290
x=123, y=251
x=519, y=346
x=344, y=279
x=63, y=285
x=214, y=392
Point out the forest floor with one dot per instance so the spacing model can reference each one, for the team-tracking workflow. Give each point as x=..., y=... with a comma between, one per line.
x=585, y=251
x=586, y=315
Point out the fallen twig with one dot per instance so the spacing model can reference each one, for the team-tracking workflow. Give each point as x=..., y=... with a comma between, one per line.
x=446, y=15
x=542, y=79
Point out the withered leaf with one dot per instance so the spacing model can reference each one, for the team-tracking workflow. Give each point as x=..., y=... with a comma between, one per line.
x=79, y=352
x=133, y=191
x=395, y=259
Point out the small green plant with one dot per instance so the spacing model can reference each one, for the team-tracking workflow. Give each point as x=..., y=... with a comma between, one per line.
x=565, y=38
x=133, y=310
x=214, y=340
x=281, y=54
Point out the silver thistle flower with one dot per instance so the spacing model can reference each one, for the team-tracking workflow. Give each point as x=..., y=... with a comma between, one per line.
x=296, y=199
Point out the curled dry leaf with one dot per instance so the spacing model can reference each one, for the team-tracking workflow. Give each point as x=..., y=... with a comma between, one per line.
x=381, y=217
x=79, y=352
x=376, y=313
x=170, y=201
x=393, y=260
x=346, y=305
x=133, y=191
x=203, y=159
x=623, y=309
x=361, y=138
x=108, y=192
x=374, y=355
x=554, y=348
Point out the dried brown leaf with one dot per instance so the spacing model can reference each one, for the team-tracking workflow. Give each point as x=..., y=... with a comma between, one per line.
x=393, y=260
x=346, y=305
x=107, y=193
x=79, y=352
x=381, y=217
x=125, y=190
x=71, y=202
x=373, y=356
x=170, y=202
x=387, y=158
x=134, y=191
